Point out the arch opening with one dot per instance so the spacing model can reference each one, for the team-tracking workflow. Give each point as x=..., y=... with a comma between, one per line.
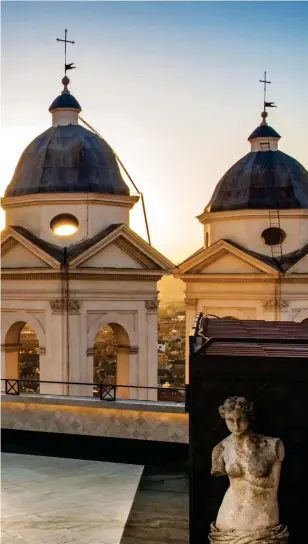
x=22, y=356
x=104, y=357
x=111, y=359
x=29, y=360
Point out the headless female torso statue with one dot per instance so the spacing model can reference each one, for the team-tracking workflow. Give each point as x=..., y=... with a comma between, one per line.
x=252, y=462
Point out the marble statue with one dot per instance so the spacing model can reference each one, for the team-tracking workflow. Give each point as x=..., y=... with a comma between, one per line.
x=249, y=512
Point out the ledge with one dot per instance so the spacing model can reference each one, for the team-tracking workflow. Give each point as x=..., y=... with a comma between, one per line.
x=122, y=404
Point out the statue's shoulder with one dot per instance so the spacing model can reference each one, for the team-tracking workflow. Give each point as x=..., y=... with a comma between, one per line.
x=221, y=446
x=218, y=463
x=273, y=443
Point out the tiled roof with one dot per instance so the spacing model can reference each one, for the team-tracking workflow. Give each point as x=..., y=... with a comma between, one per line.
x=231, y=337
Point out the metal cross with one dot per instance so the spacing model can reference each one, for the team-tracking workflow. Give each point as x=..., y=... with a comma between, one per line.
x=265, y=83
x=66, y=66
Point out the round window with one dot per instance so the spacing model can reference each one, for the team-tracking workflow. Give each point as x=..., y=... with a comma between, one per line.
x=64, y=224
x=273, y=236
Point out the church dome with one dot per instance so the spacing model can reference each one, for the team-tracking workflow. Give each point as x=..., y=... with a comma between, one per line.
x=265, y=178
x=67, y=159
x=65, y=100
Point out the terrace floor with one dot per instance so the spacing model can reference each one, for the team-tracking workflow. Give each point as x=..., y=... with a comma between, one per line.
x=53, y=500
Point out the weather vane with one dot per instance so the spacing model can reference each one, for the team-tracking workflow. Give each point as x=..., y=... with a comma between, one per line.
x=266, y=104
x=66, y=66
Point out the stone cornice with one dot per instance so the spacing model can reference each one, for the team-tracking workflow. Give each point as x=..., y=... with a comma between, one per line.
x=120, y=349
x=68, y=198
x=135, y=253
x=209, y=217
x=38, y=275
x=10, y=348
x=7, y=245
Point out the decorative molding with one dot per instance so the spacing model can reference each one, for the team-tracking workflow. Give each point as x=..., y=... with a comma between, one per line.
x=209, y=260
x=69, y=198
x=273, y=304
x=192, y=302
x=73, y=307
x=57, y=306
x=127, y=349
x=210, y=217
x=7, y=245
x=42, y=351
x=10, y=348
x=120, y=349
x=83, y=277
x=133, y=349
x=205, y=279
x=135, y=253
x=151, y=305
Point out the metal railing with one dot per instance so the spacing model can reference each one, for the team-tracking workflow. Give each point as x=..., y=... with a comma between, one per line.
x=99, y=391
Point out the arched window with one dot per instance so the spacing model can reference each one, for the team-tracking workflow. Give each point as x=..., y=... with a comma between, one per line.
x=111, y=359
x=105, y=356
x=29, y=360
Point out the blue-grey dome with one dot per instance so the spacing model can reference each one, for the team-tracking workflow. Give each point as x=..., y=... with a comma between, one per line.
x=264, y=131
x=262, y=180
x=65, y=100
x=67, y=159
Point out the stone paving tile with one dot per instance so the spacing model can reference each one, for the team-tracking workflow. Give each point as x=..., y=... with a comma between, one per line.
x=51, y=501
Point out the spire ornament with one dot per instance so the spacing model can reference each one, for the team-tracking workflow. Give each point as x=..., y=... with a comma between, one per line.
x=66, y=66
x=266, y=104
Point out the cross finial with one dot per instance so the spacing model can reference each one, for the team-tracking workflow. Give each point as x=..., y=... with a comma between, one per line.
x=265, y=83
x=66, y=66
x=266, y=104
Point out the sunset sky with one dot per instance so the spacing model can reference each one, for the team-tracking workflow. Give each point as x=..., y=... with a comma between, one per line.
x=172, y=86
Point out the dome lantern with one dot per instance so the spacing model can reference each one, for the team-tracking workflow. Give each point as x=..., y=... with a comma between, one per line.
x=264, y=137
x=65, y=108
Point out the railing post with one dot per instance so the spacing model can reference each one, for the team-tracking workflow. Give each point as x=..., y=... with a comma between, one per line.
x=12, y=385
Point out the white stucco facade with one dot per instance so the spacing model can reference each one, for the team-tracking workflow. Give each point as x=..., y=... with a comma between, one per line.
x=107, y=284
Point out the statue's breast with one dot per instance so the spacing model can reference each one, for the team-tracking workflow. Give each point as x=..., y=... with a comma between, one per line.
x=259, y=465
x=257, y=461
x=234, y=470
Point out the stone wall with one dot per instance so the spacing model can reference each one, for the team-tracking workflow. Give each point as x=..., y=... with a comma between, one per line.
x=120, y=419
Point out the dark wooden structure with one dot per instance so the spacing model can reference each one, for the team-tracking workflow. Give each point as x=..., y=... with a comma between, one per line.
x=267, y=362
